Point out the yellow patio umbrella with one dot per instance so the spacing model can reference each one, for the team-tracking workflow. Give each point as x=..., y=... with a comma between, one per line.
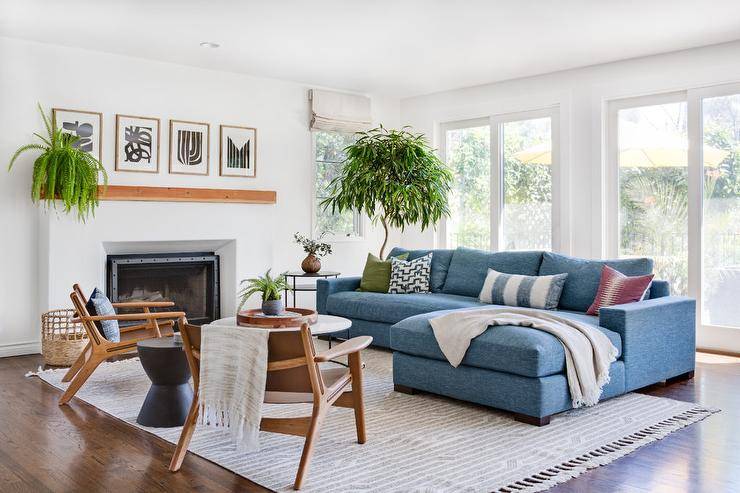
x=639, y=149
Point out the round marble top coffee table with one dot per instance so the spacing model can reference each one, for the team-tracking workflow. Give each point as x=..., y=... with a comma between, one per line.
x=326, y=324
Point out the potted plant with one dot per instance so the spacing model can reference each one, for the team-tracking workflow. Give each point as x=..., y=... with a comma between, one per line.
x=271, y=289
x=392, y=176
x=63, y=172
x=315, y=250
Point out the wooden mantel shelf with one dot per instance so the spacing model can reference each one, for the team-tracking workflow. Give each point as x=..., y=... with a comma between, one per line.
x=174, y=194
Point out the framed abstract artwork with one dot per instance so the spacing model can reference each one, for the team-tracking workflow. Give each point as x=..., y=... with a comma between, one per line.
x=137, y=144
x=238, y=151
x=189, y=146
x=87, y=125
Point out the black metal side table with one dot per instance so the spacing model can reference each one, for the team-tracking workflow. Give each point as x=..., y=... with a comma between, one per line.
x=168, y=402
x=303, y=275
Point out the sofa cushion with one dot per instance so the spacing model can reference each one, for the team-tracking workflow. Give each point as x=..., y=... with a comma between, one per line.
x=519, y=350
x=377, y=274
x=584, y=276
x=469, y=267
x=440, y=264
x=526, y=291
x=392, y=308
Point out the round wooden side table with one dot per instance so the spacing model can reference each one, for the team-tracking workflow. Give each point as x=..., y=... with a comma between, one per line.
x=323, y=274
x=169, y=398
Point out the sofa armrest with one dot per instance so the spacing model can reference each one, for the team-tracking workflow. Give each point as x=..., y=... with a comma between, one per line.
x=325, y=287
x=658, y=337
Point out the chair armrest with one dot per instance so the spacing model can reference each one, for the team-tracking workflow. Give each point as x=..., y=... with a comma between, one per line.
x=143, y=304
x=347, y=347
x=133, y=316
x=325, y=287
x=658, y=337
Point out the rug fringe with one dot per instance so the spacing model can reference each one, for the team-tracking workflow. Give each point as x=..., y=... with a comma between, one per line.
x=40, y=371
x=605, y=454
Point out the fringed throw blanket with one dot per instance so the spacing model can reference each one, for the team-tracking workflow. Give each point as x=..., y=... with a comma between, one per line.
x=233, y=369
x=588, y=351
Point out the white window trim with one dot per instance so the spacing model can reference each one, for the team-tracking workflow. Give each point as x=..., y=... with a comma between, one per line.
x=359, y=219
x=495, y=123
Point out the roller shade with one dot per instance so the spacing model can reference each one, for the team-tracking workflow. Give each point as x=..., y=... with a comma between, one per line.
x=339, y=112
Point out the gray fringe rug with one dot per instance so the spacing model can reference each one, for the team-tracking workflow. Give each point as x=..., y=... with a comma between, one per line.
x=420, y=443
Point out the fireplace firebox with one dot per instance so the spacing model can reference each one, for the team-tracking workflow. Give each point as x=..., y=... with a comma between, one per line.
x=190, y=280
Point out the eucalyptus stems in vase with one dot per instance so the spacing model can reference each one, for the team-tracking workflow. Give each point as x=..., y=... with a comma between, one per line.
x=315, y=250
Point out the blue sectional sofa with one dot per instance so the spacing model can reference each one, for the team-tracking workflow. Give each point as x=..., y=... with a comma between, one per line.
x=515, y=368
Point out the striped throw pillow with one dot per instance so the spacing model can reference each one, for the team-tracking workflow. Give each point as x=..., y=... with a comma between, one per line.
x=524, y=291
x=616, y=289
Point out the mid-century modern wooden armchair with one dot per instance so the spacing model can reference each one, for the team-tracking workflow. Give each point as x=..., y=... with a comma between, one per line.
x=293, y=377
x=99, y=349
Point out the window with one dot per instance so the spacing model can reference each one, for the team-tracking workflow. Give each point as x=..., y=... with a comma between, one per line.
x=468, y=153
x=527, y=198
x=674, y=196
x=328, y=158
x=652, y=142
x=721, y=210
x=502, y=194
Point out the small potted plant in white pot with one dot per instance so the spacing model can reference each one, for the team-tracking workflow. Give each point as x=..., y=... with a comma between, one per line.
x=315, y=250
x=271, y=289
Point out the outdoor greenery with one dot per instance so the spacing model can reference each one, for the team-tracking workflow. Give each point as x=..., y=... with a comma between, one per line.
x=270, y=287
x=527, y=187
x=313, y=247
x=392, y=176
x=329, y=148
x=63, y=172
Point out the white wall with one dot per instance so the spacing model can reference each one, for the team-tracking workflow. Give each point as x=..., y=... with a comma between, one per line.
x=40, y=251
x=582, y=95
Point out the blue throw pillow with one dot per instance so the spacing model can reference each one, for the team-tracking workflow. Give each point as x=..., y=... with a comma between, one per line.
x=99, y=304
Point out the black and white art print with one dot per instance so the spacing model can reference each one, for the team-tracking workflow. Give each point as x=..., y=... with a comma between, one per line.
x=238, y=156
x=86, y=125
x=137, y=144
x=189, y=147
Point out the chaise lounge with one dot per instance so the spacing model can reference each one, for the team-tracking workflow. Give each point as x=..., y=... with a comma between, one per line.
x=509, y=367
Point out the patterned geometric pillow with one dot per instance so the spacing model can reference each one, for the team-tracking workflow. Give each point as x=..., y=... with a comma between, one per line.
x=616, y=289
x=410, y=276
x=524, y=291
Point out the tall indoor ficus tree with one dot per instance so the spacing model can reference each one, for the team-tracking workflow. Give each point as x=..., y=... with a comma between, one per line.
x=63, y=172
x=394, y=177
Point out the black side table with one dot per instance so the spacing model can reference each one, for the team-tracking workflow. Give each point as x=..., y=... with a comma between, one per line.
x=169, y=398
x=303, y=275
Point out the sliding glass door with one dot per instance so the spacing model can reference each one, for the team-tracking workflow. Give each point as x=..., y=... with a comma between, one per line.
x=674, y=195
x=720, y=258
x=504, y=168
x=652, y=160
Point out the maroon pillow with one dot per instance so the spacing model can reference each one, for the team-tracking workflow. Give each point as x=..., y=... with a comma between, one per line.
x=616, y=289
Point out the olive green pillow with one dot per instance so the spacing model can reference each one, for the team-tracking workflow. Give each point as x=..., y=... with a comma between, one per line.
x=377, y=274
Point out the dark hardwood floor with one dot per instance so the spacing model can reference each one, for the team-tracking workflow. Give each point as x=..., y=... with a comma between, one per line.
x=77, y=448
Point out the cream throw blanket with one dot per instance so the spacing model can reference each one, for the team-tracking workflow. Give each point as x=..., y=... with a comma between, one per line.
x=588, y=351
x=233, y=370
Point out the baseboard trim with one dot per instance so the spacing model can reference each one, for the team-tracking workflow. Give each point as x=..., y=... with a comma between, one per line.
x=717, y=352
x=20, y=348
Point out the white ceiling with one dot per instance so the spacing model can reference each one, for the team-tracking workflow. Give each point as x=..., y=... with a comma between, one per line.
x=394, y=47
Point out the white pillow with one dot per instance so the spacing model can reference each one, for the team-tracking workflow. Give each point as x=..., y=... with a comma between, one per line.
x=524, y=291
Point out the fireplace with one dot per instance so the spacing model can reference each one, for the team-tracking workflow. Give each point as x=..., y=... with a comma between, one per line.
x=190, y=280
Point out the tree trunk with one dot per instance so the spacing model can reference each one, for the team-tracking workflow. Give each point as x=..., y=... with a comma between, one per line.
x=385, y=238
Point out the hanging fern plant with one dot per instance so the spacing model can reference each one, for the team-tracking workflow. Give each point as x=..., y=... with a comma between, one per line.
x=63, y=172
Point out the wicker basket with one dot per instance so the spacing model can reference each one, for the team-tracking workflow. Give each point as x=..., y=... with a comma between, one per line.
x=61, y=339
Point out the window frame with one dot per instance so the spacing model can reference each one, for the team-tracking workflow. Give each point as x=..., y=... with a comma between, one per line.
x=357, y=218
x=496, y=127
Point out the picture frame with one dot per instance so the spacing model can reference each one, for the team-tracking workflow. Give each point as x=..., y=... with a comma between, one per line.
x=137, y=143
x=237, y=151
x=87, y=125
x=189, y=148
